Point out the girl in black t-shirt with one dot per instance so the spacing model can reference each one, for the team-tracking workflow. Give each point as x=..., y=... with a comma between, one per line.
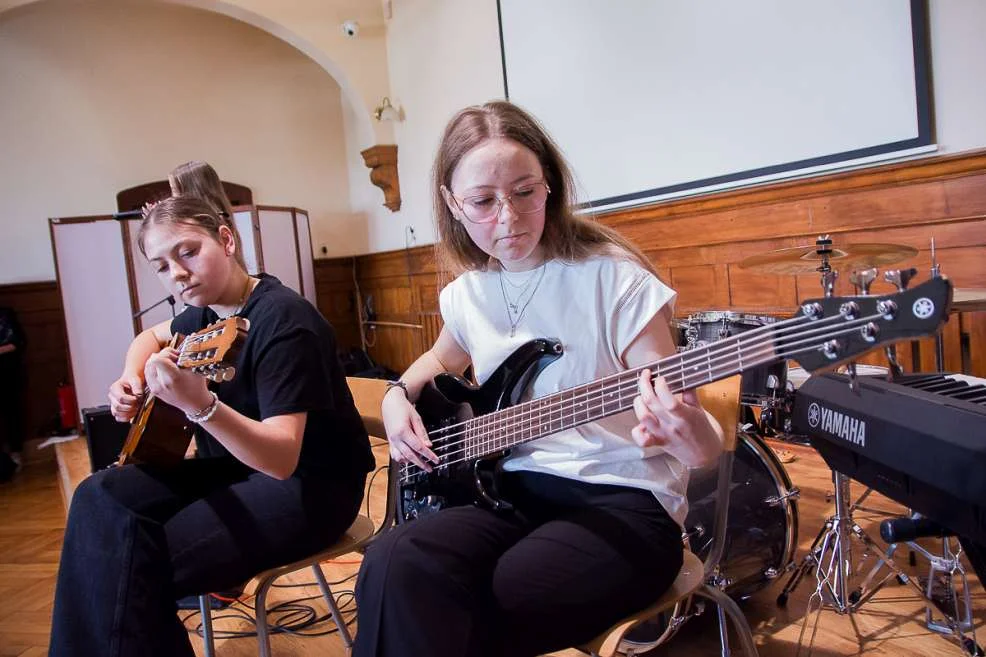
x=283, y=454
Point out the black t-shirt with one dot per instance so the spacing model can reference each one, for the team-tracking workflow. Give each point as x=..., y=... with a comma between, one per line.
x=288, y=364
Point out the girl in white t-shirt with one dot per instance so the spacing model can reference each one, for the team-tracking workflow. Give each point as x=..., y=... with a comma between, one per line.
x=595, y=530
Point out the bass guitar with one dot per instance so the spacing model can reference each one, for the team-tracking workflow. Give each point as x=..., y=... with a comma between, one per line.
x=160, y=433
x=472, y=427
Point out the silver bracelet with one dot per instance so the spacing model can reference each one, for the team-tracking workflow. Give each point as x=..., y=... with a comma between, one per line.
x=206, y=413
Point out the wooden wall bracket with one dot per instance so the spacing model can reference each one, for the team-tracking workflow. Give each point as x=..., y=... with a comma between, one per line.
x=382, y=161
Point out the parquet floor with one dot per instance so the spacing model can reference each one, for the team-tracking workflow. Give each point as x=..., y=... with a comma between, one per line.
x=32, y=519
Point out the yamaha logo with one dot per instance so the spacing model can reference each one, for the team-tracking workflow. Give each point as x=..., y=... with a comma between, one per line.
x=814, y=415
x=841, y=425
x=923, y=308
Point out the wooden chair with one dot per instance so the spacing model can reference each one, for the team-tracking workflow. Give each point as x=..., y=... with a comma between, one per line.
x=721, y=399
x=368, y=394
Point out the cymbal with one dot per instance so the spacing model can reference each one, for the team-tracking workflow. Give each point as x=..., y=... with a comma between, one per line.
x=968, y=299
x=805, y=260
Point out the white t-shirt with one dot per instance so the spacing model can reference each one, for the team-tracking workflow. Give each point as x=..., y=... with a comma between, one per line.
x=596, y=308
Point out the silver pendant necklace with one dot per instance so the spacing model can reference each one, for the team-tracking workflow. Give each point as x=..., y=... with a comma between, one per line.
x=512, y=306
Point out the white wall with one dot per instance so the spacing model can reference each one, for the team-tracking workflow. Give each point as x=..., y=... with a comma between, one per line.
x=445, y=54
x=958, y=52
x=64, y=122
x=100, y=96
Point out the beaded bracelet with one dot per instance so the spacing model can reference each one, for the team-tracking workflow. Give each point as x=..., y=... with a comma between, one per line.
x=206, y=413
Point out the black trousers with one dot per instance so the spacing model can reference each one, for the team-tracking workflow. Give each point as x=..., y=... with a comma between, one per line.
x=138, y=538
x=570, y=561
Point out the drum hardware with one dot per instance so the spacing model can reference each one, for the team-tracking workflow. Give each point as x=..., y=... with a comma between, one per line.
x=830, y=555
x=939, y=340
x=808, y=259
x=956, y=618
x=757, y=538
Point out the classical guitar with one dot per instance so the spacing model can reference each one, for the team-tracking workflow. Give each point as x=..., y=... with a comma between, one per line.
x=160, y=433
x=472, y=427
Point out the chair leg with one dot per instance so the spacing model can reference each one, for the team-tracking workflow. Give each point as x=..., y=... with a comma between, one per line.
x=731, y=609
x=347, y=638
x=205, y=608
x=260, y=608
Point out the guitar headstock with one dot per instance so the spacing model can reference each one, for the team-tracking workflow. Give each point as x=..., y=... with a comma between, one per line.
x=212, y=351
x=840, y=329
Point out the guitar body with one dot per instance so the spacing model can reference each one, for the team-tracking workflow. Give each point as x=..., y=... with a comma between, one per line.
x=160, y=434
x=449, y=400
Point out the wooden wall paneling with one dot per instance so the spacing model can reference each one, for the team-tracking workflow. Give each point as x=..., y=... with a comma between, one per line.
x=697, y=243
x=39, y=311
x=752, y=291
x=974, y=326
x=965, y=195
x=701, y=287
x=336, y=294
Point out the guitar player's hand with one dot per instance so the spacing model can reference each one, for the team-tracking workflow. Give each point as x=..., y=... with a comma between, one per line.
x=180, y=388
x=125, y=397
x=678, y=424
x=405, y=431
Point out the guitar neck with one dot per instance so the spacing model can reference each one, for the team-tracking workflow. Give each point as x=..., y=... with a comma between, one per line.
x=824, y=333
x=614, y=394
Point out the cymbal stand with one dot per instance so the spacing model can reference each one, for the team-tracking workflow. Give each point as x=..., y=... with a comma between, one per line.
x=830, y=555
x=939, y=340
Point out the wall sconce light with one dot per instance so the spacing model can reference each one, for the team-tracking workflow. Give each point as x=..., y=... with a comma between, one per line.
x=387, y=112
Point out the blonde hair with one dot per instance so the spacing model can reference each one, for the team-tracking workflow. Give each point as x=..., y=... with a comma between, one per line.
x=566, y=236
x=188, y=210
x=199, y=179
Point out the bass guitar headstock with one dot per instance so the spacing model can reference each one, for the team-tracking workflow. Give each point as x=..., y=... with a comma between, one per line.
x=840, y=329
x=212, y=351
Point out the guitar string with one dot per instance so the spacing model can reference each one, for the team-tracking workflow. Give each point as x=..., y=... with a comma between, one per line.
x=722, y=349
x=410, y=470
x=593, y=390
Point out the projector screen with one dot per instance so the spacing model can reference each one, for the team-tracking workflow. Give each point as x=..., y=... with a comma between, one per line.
x=651, y=99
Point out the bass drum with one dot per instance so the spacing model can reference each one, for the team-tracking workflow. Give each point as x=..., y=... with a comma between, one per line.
x=762, y=521
x=761, y=532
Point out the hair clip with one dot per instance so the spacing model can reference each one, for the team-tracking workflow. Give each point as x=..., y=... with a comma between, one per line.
x=146, y=209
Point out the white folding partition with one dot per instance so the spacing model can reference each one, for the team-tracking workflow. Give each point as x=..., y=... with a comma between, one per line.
x=245, y=220
x=286, y=245
x=305, y=256
x=104, y=281
x=90, y=263
x=147, y=287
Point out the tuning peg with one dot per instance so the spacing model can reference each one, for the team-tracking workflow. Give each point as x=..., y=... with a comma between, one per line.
x=900, y=277
x=863, y=279
x=228, y=373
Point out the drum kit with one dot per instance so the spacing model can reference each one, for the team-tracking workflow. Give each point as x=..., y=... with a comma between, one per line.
x=762, y=516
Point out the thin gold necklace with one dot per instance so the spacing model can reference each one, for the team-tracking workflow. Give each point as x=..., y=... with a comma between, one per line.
x=243, y=298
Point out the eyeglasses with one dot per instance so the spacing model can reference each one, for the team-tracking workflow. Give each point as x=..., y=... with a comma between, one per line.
x=484, y=208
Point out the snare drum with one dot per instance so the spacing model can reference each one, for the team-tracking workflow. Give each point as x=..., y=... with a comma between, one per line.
x=704, y=328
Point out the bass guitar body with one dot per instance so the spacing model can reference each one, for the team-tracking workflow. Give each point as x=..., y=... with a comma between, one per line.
x=466, y=476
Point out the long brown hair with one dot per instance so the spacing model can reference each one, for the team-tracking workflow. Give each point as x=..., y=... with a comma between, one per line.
x=197, y=178
x=566, y=236
x=186, y=209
